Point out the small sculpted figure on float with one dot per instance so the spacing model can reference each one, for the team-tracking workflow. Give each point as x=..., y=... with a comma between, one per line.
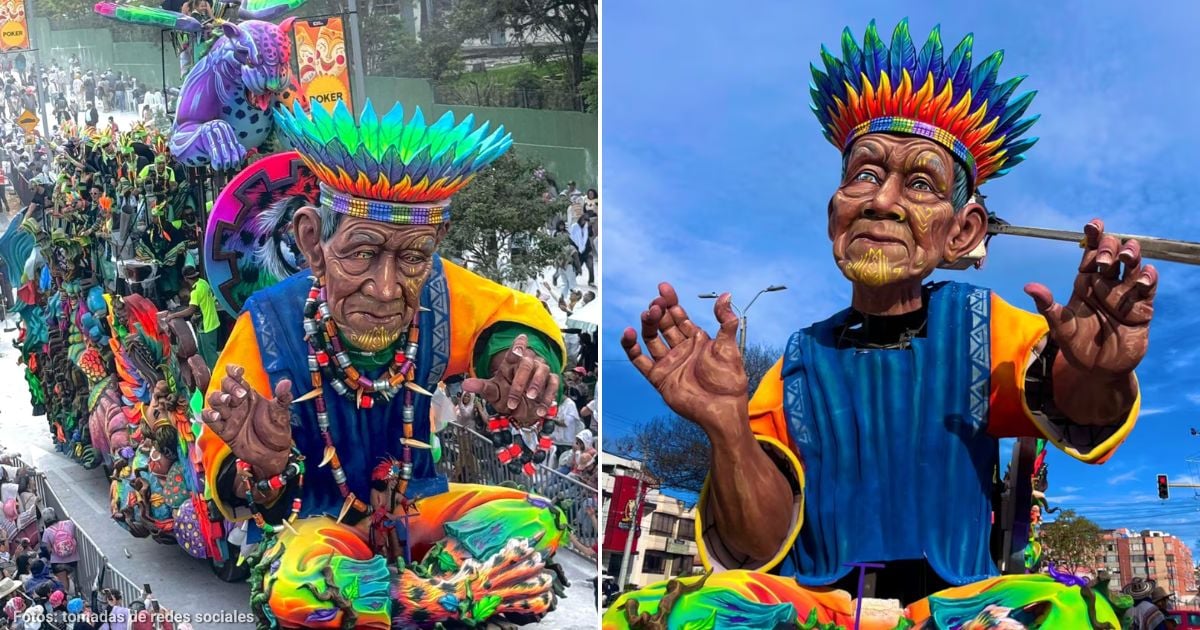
x=874, y=438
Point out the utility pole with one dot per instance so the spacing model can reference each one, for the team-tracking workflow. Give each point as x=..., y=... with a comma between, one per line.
x=633, y=527
x=742, y=336
x=358, y=84
x=37, y=71
x=742, y=313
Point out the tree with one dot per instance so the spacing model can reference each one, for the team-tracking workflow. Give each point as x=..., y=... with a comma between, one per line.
x=590, y=90
x=1071, y=540
x=390, y=49
x=63, y=8
x=571, y=22
x=499, y=223
x=675, y=449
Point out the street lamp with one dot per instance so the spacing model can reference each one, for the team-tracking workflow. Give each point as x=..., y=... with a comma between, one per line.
x=742, y=313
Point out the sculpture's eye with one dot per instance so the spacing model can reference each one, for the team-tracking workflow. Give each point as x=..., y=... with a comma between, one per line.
x=867, y=176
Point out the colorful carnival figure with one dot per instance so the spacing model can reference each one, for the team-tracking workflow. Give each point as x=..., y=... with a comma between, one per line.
x=225, y=103
x=319, y=407
x=874, y=438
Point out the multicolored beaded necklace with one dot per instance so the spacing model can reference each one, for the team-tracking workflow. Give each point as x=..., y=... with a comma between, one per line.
x=322, y=335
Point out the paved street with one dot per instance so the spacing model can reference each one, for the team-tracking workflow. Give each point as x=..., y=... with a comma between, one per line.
x=180, y=582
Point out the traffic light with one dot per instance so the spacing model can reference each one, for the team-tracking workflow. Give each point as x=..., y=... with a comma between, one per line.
x=1163, y=490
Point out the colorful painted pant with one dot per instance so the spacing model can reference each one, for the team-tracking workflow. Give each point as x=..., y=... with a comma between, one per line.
x=745, y=600
x=478, y=551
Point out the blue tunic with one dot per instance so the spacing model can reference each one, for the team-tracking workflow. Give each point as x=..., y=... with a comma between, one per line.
x=363, y=437
x=897, y=458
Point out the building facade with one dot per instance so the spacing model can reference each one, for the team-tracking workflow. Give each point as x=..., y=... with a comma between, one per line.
x=666, y=547
x=1152, y=554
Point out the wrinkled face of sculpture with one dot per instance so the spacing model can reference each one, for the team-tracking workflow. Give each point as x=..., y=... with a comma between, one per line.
x=892, y=219
x=373, y=272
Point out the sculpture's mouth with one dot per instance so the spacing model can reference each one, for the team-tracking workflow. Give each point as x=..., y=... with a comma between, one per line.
x=262, y=84
x=261, y=100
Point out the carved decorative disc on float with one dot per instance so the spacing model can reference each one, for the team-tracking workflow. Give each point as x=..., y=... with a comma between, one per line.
x=248, y=243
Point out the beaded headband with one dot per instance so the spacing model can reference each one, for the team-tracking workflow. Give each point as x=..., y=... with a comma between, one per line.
x=896, y=89
x=385, y=211
x=385, y=169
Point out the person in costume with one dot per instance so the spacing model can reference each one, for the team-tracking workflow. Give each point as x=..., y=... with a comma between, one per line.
x=319, y=406
x=200, y=301
x=874, y=438
x=1150, y=608
x=157, y=179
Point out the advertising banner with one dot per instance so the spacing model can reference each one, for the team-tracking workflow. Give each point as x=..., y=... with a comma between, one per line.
x=321, y=61
x=624, y=513
x=14, y=26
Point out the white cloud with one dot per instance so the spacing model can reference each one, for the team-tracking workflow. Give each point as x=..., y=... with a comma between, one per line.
x=1071, y=489
x=1153, y=411
x=1193, y=398
x=650, y=239
x=1125, y=476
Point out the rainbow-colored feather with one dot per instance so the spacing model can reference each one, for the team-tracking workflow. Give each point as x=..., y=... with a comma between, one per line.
x=148, y=16
x=898, y=89
x=267, y=9
x=386, y=159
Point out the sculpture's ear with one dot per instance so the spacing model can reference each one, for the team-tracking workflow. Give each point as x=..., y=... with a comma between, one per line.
x=231, y=30
x=306, y=225
x=286, y=25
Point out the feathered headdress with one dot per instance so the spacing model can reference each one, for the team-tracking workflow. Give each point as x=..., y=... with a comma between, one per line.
x=162, y=145
x=385, y=169
x=877, y=89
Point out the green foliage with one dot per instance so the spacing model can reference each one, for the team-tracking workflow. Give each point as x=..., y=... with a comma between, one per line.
x=391, y=49
x=499, y=223
x=485, y=607
x=537, y=84
x=676, y=451
x=1071, y=540
x=571, y=22
x=590, y=90
x=62, y=8
x=446, y=562
x=813, y=623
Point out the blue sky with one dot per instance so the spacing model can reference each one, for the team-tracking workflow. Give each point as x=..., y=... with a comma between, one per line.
x=716, y=178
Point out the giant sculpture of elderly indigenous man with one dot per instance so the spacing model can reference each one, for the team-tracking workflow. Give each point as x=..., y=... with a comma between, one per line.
x=874, y=438
x=318, y=417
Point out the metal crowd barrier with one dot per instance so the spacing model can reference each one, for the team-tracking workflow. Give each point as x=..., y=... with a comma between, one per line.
x=470, y=457
x=93, y=573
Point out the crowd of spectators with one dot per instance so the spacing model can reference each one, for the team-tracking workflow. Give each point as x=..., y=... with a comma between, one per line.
x=38, y=558
x=39, y=561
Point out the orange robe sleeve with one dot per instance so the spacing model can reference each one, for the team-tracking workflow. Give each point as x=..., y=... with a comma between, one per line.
x=769, y=424
x=241, y=350
x=1016, y=336
x=477, y=304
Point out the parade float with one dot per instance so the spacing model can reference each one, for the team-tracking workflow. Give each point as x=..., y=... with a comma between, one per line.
x=341, y=518
x=856, y=488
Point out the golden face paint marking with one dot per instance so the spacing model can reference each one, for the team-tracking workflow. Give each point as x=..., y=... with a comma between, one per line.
x=374, y=340
x=873, y=269
x=921, y=216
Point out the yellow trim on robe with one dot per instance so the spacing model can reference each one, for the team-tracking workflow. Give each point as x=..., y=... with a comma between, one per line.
x=718, y=548
x=1089, y=455
x=241, y=350
x=1015, y=335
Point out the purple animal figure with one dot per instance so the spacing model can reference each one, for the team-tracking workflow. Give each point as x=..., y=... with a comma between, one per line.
x=225, y=103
